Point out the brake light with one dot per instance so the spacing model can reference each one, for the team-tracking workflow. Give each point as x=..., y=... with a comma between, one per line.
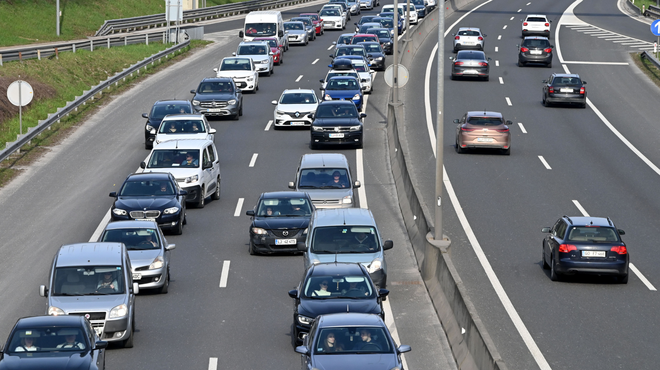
x=525, y=23
x=565, y=248
x=483, y=64
x=457, y=38
x=502, y=130
x=467, y=129
x=458, y=63
x=547, y=24
x=548, y=50
x=582, y=90
x=524, y=49
x=620, y=249
x=481, y=38
x=551, y=90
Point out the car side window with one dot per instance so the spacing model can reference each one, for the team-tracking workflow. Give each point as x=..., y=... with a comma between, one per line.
x=211, y=155
x=561, y=229
x=205, y=155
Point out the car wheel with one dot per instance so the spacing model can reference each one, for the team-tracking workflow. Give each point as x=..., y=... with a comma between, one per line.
x=549, y=65
x=453, y=77
x=623, y=279
x=543, y=262
x=166, y=286
x=185, y=219
x=312, y=145
x=179, y=228
x=458, y=148
x=546, y=103
x=235, y=116
x=128, y=343
x=554, y=276
x=520, y=63
x=583, y=106
x=486, y=78
x=148, y=146
x=202, y=196
x=240, y=110
x=256, y=88
x=216, y=193
x=251, y=249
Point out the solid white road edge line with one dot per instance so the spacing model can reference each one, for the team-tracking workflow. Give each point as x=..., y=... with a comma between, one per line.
x=213, y=363
x=253, y=160
x=359, y=169
x=239, y=206
x=225, y=274
x=99, y=229
x=522, y=128
x=547, y=166
x=268, y=125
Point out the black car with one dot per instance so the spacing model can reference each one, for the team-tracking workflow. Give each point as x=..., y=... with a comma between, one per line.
x=337, y=122
x=535, y=49
x=334, y=287
x=386, y=22
x=350, y=341
x=279, y=221
x=470, y=63
x=349, y=50
x=363, y=20
x=376, y=54
x=384, y=37
x=585, y=245
x=218, y=96
x=161, y=109
x=54, y=343
x=151, y=196
x=420, y=7
x=562, y=88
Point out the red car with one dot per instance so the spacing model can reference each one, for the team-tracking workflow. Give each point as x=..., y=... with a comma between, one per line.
x=275, y=47
x=316, y=20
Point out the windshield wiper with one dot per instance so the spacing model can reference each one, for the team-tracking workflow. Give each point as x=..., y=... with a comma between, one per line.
x=324, y=251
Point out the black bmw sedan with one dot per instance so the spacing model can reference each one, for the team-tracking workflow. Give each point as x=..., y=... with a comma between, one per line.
x=334, y=287
x=151, y=196
x=54, y=343
x=279, y=222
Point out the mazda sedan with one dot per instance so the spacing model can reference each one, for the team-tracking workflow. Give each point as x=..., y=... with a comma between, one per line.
x=483, y=129
x=470, y=64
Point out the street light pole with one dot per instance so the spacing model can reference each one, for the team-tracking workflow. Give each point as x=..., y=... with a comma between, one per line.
x=57, y=18
x=395, y=53
x=439, y=137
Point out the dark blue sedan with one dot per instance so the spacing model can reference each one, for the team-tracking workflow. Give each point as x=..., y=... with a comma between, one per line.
x=344, y=88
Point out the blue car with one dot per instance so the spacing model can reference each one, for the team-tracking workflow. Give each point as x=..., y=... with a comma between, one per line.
x=344, y=88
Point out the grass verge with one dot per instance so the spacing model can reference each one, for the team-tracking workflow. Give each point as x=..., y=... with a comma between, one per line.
x=646, y=66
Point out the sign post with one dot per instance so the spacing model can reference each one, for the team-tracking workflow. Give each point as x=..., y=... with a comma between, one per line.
x=20, y=93
x=655, y=29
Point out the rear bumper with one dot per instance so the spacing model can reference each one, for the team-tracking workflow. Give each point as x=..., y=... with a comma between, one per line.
x=570, y=99
x=567, y=266
x=535, y=58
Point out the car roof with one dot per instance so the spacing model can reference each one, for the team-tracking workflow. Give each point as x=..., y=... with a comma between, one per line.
x=469, y=29
x=295, y=22
x=90, y=254
x=342, y=78
x=484, y=113
x=298, y=90
x=252, y=43
x=47, y=320
x=283, y=194
x=217, y=79
x=595, y=221
x=183, y=144
x=262, y=39
x=536, y=38
x=132, y=224
x=337, y=268
x=343, y=216
x=350, y=319
x=364, y=34
x=149, y=175
x=317, y=160
x=566, y=75
x=173, y=101
x=177, y=117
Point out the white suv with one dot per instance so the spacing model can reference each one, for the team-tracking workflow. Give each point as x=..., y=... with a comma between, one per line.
x=536, y=24
x=193, y=162
x=242, y=70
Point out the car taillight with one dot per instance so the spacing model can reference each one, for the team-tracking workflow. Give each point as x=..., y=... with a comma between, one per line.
x=458, y=63
x=620, y=249
x=582, y=90
x=551, y=90
x=547, y=24
x=502, y=130
x=457, y=38
x=565, y=248
x=524, y=23
x=467, y=129
x=483, y=64
x=481, y=38
x=524, y=49
x=548, y=50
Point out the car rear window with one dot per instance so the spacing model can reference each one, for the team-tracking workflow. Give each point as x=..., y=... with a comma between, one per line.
x=468, y=33
x=592, y=234
x=485, y=121
x=470, y=55
x=536, y=19
x=535, y=43
x=566, y=81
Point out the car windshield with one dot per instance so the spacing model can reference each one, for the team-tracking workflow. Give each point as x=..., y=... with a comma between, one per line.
x=47, y=339
x=219, y=87
x=298, y=98
x=372, y=48
x=485, y=121
x=235, y=65
x=344, y=39
x=344, y=239
x=468, y=54
x=146, y=188
x=324, y=287
x=252, y=50
x=260, y=29
x=313, y=16
x=387, y=23
x=566, y=81
x=536, y=43
x=592, y=234
x=323, y=178
x=161, y=110
x=272, y=43
x=326, y=13
x=167, y=158
x=334, y=111
x=284, y=207
x=382, y=34
x=294, y=26
x=88, y=280
x=417, y=2
x=342, y=84
x=133, y=238
x=188, y=126
x=357, y=340
x=305, y=20
x=357, y=39
x=351, y=50
x=366, y=19
x=468, y=33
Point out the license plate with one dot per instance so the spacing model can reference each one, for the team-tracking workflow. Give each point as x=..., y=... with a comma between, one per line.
x=535, y=52
x=468, y=43
x=566, y=90
x=292, y=37
x=336, y=136
x=470, y=72
x=285, y=241
x=297, y=123
x=214, y=110
x=485, y=139
x=593, y=253
x=137, y=276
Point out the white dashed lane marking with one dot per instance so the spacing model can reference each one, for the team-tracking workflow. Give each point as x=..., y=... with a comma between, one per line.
x=508, y=101
x=225, y=274
x=504, y=27
x=268, y=125
x=239, y=207
x=497, y=49
x=547, y=166
x=299, y=78
x=522, y=128
x=253, y=160
x=213, y=363
x=315, y=61
x=501, y=81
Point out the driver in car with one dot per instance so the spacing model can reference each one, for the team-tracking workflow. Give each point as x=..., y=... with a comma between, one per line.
x=107, y=282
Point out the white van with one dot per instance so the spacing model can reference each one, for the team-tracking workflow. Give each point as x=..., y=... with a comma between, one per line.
x=266, y=23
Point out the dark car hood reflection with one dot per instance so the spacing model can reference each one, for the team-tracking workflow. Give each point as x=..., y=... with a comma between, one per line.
x=46, y=360
x=355, y=361
x=314, y=307
x=143, y=203
x=345, y=121
x=282, y=222
x=219, y=96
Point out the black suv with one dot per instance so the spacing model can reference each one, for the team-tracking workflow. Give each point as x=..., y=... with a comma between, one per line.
x=161, y=109
x=564, y=88
x=337, y=122
x=218, y=96
x=535, y=49
x=585, y=245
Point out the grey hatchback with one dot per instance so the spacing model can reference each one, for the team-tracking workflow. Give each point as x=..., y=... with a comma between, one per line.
x=535, y=49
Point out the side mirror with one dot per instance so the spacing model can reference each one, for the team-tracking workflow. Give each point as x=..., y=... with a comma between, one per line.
x=584, y=82
x=383, y=293
x=552, y=46
x=170, y=247
x=362, y=115
x=451, y=58
x=43, y=291
x=212, y=131
x=301, y=246
x=215, y=70
x=249, y=213
x=356, y=184
x=293, y=293
x=388, y=245
x=113, y=194
x=483, y=35
x=291, y=185
x=545, y=230
x=100, y=344
x=280, y=33
x=233, y=53
x=144, y=115
x=508, y=122
x=302, y=350
x=271, y=53
x=621, y=232
x=332, y=56
x=457, y=120
x=193, y=92
x=143, y=165
x=404, y=348
x=321, y=81
x=274, y=102
x=183, y=192
x=240, y=34
x=545, y=81
x=334, y=43
x=136, y=288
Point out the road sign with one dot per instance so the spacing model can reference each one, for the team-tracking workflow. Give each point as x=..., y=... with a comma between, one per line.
x=655, y=27
x=20, y=93
x=402, y=78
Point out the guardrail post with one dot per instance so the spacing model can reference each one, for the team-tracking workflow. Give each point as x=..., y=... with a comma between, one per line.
x=74, y=48
x=0, y=60
x=108, y=42
x=125, y=40
x=146, y=37
x=91, y=45
x=57, y=54
x=39, y=54
x=20, y=56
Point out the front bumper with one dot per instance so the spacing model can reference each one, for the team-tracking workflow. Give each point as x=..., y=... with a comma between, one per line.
x=378, y=64
x=194, y=192
x=230, y=110
x=323, y=137
x=297, y=39
x=366, y=5
x=286, y=120
x=149, y=279
x=112, y=327
x=246, y=85
x=267, y=243
x=336, y=25
x=262, y=67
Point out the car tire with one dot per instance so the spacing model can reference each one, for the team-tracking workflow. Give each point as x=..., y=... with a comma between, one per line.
x=235, y=116
x=166, y=286
x=178, y=230
x=544, y=264
x=148, y=146
x=185, y=219
x=554, y=276
x=256, y=88
x=546, y=103
x=201, y=202
x=623, y=279
x=251, y=249
x=313, y=146
x=583, y=106
x=240, y=110
x=486, y=78
x=216, y=193
x=453, y=77
x=549, y=65
x=458, y=148
x=520, y=63
x=128, y=343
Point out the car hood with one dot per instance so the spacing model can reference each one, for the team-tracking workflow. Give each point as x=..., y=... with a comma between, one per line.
x=256, y=58
x=336, y=121
x=87, y=303
x=297, y=32
x=281, y=222
x=297, y=107
x=145, y=203
x=320, y=194
x=342, y=94
x=354, y=361
x=235, y=73
x=312, y=307
x=46, y=360
x=363, y=258
x=143, y=258
x=165, y=137
x=211, y=96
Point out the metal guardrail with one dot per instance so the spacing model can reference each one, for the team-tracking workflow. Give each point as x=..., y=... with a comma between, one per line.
x=652, y=11
x=87, y=95
x=159, y=20
x=652, y=58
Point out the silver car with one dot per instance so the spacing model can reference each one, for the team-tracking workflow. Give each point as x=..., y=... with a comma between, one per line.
x=260, y=53
x=148, y=250
x=468, y=38
x=296, y=33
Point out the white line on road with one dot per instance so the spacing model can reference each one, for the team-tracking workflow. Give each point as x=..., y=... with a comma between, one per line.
x=225, y=274
x=510, y=20
x=299, y=78
x=501, y=81
x=239, y=207
x=528, y=4
x=253, y=160
x=508, y=101
x=315, y=61
x=499, y=37
x=268, y=125
x=504, y=27
x=359, y=169
x=331, y=46
x=522, y=128
x=99, y=229
x=497, y=49
x=580, y=208
x=213, y=363
x=547, y=166
x=518, y=11
x=497, y=63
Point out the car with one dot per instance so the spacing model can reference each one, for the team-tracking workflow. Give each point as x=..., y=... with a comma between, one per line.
x=94, y=280
x=585, y=245
x=193, y=163
x=331, y=288
x=341, y=67
x=337, y=123
x=367, y=4
x=148, y=250
x=296, y=33
x=412, y=11
x=376, y=54
x=276, y=48
x=384, y=38
x=401, y=24
x=364, y=19
x=318, y=22
x=420, y=6
x=344, y=4
x=365, y=27
x=279, y=222
x=359, y=339
x=344, y=88
x=431, y=4
x=295, y=108
x=363, y=37
x=387, y=22
x=343, y=9
x=563, y=88
x=309, y=26
x=349, y=50
x=218, y=96
x=354, y=6
x=53, y=342
x=471, y=64
x=363, y=69
x=535, y=49
x=332, y=18
x=328, y=180
x=536, y=24
x=344, y=39
x=151, y=196
x=159, y=110
x=468, y=38
x=240, y=69
x=260, y=53
x=483, y=129
x=185, y=126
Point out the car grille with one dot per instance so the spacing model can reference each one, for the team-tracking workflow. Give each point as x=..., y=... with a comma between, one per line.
x=213, y=104
x=300, y=114
x=290, y=233
x=145, y=214
x=92, y=315
x=336, y=129
x=326, y=201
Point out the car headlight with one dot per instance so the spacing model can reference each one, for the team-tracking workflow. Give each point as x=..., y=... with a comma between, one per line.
x=171, y=210
x=378, y=58
x=375, y=265
x=259, y=231
x=265, y=61
x=328, y=97
x=356, y=97
x=119, y=212
x=231, y=102
x=317, y=128
x=250, y=78
x=195, y=102
x=157, y=263
x=305, y=232
x=315, y=261
x=150, y=128
x=192, y=178
x=304, y=320
x=118, y=311
x=347, y=199
x=279, y=112
x=355, y=128
x=55, y=311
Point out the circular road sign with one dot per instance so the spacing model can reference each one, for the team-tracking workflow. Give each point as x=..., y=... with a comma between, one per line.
x=403, y=75
x=26, y=93
x=655, y=27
